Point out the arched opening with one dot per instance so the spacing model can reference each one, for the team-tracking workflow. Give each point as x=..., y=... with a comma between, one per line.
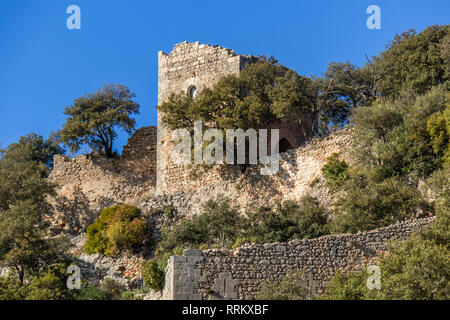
x=284, y=145
x=192, y=91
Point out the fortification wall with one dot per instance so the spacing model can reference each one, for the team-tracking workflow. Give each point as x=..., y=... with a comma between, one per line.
x=238, y=274
x=299, y=170
x=88, y=183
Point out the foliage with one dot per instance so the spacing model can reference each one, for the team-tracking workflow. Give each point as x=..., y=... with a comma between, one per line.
x=393, y=135
x=153, y=274
x=264, y=92
x=12, y=289
x=348, y=286
x=24, y=246
x=290, y=288
x=291, y=220
x=416, y=269
x=50, y=284
x=438, y=127
x=34, y=149
x=218, y=224
x=339, y=91
x=111, y=289
x=335, y=172
x=90, y=292
x=93, y=119
x=118, y=227
x=413, y=62
x=368, y=204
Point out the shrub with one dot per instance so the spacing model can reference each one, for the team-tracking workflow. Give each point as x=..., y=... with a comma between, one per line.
x=290, y=288
x=394, y=134
x=111, y=289
x=90, y=292
x=291, y=220
x=347, y=286
x=153, y=274
x=335, y=172
x=369, y=205
x=220, y=223
x=116, y=228
x=12, y=289
x=49, y=285
x=438, y=127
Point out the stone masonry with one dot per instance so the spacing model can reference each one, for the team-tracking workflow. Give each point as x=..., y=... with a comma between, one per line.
x=237, y=274
x=195, y=66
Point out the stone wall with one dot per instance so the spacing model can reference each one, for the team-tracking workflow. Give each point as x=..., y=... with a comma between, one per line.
x=299, y=175
x=88, y=183
x=237, y=274
x=188, y=65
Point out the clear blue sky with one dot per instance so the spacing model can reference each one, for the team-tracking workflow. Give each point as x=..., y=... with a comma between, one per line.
x=44, y=66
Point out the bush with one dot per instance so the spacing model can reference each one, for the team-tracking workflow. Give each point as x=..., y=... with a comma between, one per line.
x=291, y=220
x=438, y=127
x=290, y=288
x=393, y=135
x=90, y=292
x=49, y=285
x=220, y=223
x=335, y=172
x=111, y=289
x=348, y=286
x=153, y=274
x=368, y=205
x=116, y=228
x=12, y=289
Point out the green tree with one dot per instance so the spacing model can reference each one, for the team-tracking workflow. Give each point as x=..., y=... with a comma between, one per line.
x=438, y=127
x=93, y=119
x=367, y=204
x=264, y=92
x=392, y=134
x=335, y=172
x=348, y=286
x=340, y=90
x=413, y=62
x=24, y=246
x=219, y=224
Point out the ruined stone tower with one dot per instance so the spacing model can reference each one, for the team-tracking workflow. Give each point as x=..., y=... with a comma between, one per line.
x=190, y=68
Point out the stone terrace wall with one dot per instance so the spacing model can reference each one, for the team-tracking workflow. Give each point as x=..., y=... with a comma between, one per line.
x=237, y=274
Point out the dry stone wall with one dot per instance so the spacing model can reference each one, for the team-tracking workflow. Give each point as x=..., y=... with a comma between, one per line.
x=238, y=274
